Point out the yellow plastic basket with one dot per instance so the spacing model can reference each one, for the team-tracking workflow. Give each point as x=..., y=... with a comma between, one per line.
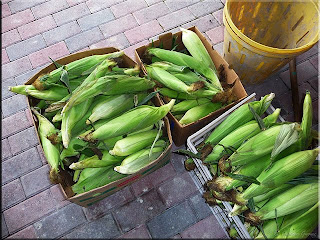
x=262, y=36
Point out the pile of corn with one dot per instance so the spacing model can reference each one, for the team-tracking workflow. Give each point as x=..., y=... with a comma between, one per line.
x=265, y=169
x=96, y=120
x=192, y=79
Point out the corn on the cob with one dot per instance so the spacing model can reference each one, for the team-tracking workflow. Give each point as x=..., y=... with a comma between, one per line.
x=281, y=172
x=270, y=228
x=54, y=93
x=306, y=123
x=239, y=117
x=113, y=106
x=133, y=143
x=51, y=152
x=296, y=198
x=133, y=120
x=136, y=161
x=197, y=112
x=129, y=71
x=94, y=161
x=21, y=89
x=201, y=93
x=57, y=117
x=186, y=60
x=168, y=66
x=75, y=69
x=167, y=79
x=301, y=224
x=239, y=135
x=257, y=146
x=185, y=105
x=272, y=192
x=196, y=48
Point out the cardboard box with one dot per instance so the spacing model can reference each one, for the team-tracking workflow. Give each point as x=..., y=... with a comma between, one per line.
x=88, y=198
x=180, y=132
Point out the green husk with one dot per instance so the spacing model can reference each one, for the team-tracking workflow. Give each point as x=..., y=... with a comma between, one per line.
x=54, y=93
x=21, y=89
x=185, y=105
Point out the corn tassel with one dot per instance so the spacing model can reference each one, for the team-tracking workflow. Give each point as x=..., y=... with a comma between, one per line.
x=238, y=118
x=51, y=152
x=238, y=136
x=133, y=143
x=198, y=112
x=133, y=120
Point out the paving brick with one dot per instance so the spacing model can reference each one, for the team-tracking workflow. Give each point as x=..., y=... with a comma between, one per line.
x=84, y=39
x=315, y=61
x=139, y=211
x=20, y=164
x=140, y=232
x=16, y=67
x=61, y=33
x=23, y=140
x=175, y=5
x=29, y=211
x=5, y=10
x=16, y=20
x=219, y=48
x=177, y=18
x=150, y=13
x=102, y=207
x=143, y=32
x=118, y=41
x=203, y=23
x=205, y=7
x=305, y=71
x=5, y=149
x=4, y=229
x=171, y=193
x=25, y=47
x=58, y=195
x=71, y=14
x=104, y=227
x=216, y=34
x=201, y=208
x=41, y=154
x=36, y=180
x=48, y=8
x=304, y=56
x=272, y=84
x=59, y=222
x=283, y=101
x=5, y=58
x=26, y=233
x=5, y=87
x=206, y=228
x=315, y=107
x=178, y=236
x=172, y=221
x=151, y=2
x=12, y=193
x=74, y=2
x=118, y=26
x=314, y=82
x=13, y=104
x=5, y=1
x=219, y=16
x=95, y=19
x=18, y=5
x=55, y=51
x=178, y=162
x=10, y=37
x=15, y=123
x=142, y=186
x=23, y=78
x=162, y=174
x=130, y=50
x=97, y=5
x=127, y=7
x=36, y=27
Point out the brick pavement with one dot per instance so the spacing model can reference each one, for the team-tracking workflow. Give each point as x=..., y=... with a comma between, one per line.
x=153, y=207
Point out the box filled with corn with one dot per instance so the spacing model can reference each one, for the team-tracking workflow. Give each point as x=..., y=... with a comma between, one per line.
x=265, y=169
x=98, y=127
x=185, y=67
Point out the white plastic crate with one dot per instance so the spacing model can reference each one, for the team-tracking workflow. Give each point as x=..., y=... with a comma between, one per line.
x=202, y=174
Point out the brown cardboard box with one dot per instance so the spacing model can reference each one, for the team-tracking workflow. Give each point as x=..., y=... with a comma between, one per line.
x=180, y=133
x=88, y=198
